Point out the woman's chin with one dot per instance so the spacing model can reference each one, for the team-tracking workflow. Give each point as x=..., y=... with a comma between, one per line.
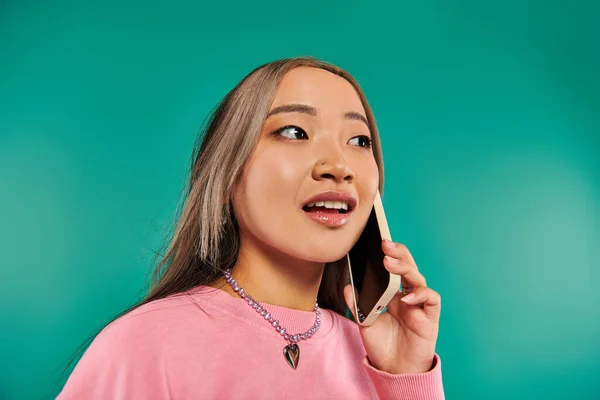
x=324, y=256
x=314, y=251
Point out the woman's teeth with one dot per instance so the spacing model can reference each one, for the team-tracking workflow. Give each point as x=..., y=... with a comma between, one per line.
x=338, y=205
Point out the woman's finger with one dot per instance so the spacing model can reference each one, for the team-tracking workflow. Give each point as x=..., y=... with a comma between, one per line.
x=398, y=251
x=409, y=272
x=427, y=297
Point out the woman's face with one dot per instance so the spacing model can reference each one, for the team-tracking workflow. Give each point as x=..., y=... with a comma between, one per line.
x=308, y=188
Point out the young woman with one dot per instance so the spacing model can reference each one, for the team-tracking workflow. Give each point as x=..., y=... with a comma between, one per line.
x=281, y=187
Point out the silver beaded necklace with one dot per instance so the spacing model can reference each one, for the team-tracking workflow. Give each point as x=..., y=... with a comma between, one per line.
x=291, y=352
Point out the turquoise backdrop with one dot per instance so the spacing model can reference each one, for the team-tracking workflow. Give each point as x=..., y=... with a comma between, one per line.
x=489, y=116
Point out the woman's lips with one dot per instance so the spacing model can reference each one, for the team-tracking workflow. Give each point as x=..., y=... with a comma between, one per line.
x=328, y=218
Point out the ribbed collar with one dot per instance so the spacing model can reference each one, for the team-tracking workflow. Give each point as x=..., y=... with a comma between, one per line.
x=294, y=321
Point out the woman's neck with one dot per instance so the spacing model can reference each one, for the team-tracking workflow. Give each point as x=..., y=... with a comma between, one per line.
x=271, y=277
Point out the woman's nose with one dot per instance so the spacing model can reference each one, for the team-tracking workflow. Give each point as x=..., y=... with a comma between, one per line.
x=335, y=170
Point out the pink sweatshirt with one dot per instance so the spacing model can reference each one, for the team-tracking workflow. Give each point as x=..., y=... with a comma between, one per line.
x=206, y=344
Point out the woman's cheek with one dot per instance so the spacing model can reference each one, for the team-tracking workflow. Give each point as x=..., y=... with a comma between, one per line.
x=368, y=181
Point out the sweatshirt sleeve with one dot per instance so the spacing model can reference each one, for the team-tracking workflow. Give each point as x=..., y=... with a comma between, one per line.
x=426, y=386
x=119, y=364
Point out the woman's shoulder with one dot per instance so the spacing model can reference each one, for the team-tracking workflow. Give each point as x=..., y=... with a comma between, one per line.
x=129, y=355
x=159, y=316
x=150, y=330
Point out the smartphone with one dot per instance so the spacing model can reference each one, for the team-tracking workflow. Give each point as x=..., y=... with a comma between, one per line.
x=374, y=284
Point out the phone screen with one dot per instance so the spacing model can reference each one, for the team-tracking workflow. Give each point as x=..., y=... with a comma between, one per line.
x=369, y=275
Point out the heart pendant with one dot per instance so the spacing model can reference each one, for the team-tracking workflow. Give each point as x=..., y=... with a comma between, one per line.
x=291, y=353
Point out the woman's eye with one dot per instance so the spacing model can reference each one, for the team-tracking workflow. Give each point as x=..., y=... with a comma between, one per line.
x=360, y=141
x=292, y=132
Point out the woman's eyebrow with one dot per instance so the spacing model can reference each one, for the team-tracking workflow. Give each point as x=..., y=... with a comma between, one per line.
x=287, y=108
x=357, y=116
x=304, y=109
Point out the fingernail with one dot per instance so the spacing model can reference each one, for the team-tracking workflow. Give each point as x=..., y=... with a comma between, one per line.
x=391, y=260
x=388, y=242
x=408, y=298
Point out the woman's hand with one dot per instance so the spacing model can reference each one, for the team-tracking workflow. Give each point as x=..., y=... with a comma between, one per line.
x=402, y=340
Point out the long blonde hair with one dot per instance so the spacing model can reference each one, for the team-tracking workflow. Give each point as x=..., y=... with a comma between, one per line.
x=206, y=239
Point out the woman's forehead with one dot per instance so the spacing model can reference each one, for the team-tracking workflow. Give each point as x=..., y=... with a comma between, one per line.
x=318, y=88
